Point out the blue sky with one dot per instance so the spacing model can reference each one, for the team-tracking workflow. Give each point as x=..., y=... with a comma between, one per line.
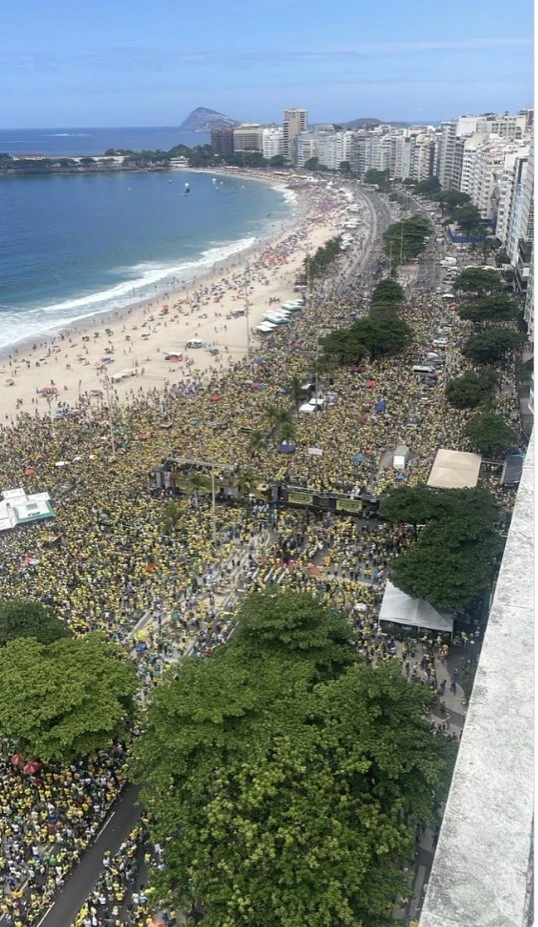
x=149, y=62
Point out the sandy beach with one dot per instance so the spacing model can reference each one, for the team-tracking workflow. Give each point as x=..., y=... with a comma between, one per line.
x=78, y=361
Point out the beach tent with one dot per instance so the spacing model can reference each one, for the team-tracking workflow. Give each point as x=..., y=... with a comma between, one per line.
x=400, y=608
x=287, y=447
x=381, y=405
x=454, y=469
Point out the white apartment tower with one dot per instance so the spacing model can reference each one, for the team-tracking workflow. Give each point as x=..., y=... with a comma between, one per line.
x=294, y=122
x=272, y=141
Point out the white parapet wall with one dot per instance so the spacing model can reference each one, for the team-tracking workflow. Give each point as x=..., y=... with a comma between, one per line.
x=483, y=864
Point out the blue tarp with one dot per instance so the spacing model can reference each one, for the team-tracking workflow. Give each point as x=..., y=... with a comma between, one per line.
x=358, y=458
x=381, y=405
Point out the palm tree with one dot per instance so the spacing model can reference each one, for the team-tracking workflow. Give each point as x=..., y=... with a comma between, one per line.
x=171, y=517
x=246, y=482
x=197, y=485
x=279, y=418
x=256, y=442
x=288, y=431
x=296, y=391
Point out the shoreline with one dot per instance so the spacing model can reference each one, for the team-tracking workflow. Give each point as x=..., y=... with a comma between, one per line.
x=137, y=335
x=170, y=281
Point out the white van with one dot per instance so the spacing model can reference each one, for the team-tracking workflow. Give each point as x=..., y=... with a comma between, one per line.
x=194, y=343
x=307, y=408
x=423, y=370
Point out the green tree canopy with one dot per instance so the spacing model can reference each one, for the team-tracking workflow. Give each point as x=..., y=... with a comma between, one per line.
x=296, y=626
x=471, y=389
x=281, y=801
x=407, y=237
x=428, y=187
x=277, y=161
x=451, y=199
x=388, y=292
x=498, y=308
x=492, y=345
x=379, y=179
x=489, y=434
x=451, y=562
x=477, y=281
x=318, y=264
x=468, y=219
x=65, y=699
x=312, y=164
x=447, y=566
x=374, y=336
x=20, y=618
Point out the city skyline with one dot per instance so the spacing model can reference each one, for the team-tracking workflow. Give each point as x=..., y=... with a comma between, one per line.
x=117, y=66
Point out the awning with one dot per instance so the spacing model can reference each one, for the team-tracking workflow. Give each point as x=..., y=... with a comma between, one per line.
x=454, y=470
x=400, y=608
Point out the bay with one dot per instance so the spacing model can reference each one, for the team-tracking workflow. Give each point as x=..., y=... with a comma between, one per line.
x=72, y=245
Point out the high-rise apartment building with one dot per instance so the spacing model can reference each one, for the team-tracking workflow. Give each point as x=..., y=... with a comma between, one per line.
x=222, y=142
x=248, y=137
x=303, y=147
x=272, y=141
x=294, y=122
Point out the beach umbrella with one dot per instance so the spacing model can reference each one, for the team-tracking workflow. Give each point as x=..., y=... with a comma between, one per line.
x=381, y=405
x=29, y=471
x=314, y=570
x=287, y=447
x=370, y=384
x=358, y=458
x=216, y=397
x=17, y=759
x=194, y=421
x=32, y=768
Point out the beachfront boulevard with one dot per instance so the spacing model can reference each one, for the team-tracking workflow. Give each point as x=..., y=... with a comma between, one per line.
x=274, y=526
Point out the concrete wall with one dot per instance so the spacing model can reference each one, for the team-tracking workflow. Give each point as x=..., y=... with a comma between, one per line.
x=483, y=865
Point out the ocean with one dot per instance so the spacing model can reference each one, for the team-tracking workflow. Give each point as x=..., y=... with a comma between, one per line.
x=72, y=246
x=67, y=143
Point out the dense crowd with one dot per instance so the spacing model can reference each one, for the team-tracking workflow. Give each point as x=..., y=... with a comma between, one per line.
x=105, y=562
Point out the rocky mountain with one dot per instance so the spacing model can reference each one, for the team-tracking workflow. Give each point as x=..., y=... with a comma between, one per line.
x=368, y=122
x=203, y=120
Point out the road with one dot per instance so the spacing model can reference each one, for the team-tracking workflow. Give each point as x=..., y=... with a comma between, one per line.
x=116, y=828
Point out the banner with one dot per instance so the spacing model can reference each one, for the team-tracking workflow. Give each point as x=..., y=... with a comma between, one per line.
x=301, y=498
x=348, y=505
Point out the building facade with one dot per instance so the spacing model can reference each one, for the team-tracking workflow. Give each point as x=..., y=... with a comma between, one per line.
x=294, y=122
x=248, y=137
x=222, y=142
x=272, y=142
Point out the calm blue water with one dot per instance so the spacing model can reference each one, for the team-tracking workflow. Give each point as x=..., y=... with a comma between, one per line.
x=68, y=142
x=75, y=245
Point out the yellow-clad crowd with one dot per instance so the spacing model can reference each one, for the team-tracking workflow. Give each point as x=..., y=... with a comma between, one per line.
x=106, y=561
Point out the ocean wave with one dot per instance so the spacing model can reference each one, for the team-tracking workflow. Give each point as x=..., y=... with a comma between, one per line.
x=144, y=280
x=289, y=196
x=69, y=135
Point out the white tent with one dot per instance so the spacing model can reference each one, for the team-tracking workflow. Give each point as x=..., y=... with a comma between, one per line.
x=402, y=609
x=454, y=470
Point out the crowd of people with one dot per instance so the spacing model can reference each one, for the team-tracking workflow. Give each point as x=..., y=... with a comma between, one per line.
x=107, y=563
